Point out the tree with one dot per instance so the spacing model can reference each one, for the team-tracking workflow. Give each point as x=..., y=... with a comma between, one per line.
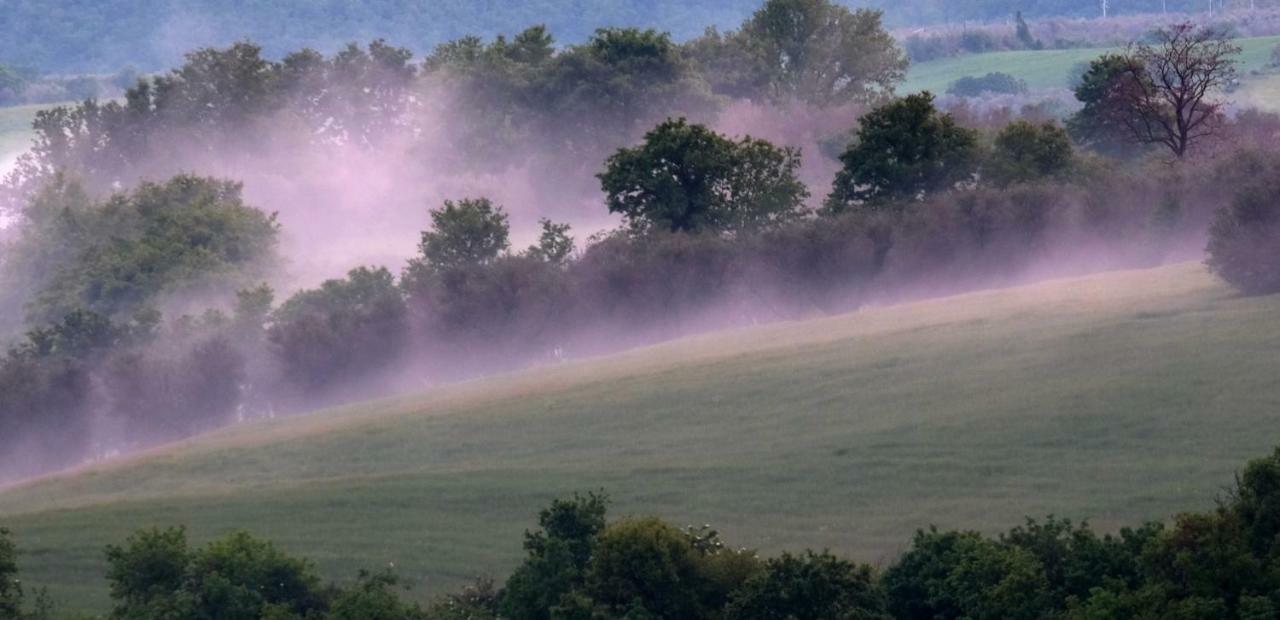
x=903, y=150
x=1244, y=240
x=1170, y=93
x=605, y=91
x=468, y=232
x=120, y=255
x=1024, y=35
x=1099, y=124
x=345, y=329
x=156, y=575
x=555, y=245
x=557, y=556
x=963, y=575
x=1024, y=151
x=648, y=569
x=372, y=598
x=810, y=586
x=822, y=53
x=688, y=178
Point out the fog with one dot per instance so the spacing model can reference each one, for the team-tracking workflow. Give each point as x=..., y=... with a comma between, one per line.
x=346, y=198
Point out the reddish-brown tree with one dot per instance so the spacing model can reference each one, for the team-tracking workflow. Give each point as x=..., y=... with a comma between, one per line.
x=1171, y=92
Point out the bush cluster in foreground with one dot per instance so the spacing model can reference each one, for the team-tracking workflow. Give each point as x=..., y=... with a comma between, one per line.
x=1219, y=564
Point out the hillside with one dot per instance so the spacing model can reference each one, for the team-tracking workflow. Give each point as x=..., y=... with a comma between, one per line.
x=1051, y=68
x=1114, y=398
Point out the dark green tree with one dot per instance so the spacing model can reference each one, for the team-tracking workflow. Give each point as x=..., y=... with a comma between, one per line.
x=1024, y=151
x=373, y=597
x=810, y=586
x=1098, y=125
x=1244, y=240
x=963, y=575
x=468, y=232
x=341, y=331
x=121, y=255
x=555, y=245
x=687, y=178
x=557, y=556
x=820, y=52
x=903, y=150
x=156, y=575
x=646, y=568
x=605, y=91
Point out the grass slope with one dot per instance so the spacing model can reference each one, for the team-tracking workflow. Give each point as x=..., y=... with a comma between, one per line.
x=15, y=130
x=1116, y=398
x=1047, y=68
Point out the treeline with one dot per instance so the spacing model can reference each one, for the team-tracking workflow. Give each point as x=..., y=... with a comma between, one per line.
x=145, y=318
x=78, y=36
x=1021, y=29
x=507, y=101
x=1215, y=565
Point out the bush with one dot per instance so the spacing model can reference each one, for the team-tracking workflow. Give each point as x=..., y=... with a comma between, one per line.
x=343, y=330
x=978, y=41
x=156, y=575
x=1024, y=151
x=1244, y=241
x=991, y=83
x=810, y=585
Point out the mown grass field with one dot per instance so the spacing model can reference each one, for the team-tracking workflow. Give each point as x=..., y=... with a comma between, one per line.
x=15, y=130
x=1114, y=398
x=1049, y=68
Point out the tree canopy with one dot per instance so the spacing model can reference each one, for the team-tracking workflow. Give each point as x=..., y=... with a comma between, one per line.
x=902, y=150
x=685, y=177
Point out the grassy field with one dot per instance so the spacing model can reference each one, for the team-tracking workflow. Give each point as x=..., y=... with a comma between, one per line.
x=15, y=129
x=1047, y=68
x=1115, y=398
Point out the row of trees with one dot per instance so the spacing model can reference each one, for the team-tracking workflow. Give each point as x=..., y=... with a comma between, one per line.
x=1214, y=565
x=505, y=99
x=714, y=226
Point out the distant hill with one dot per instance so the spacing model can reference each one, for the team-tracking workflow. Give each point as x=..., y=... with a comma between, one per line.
x=61, y=36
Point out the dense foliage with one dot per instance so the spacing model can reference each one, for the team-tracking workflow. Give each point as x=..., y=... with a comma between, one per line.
x=1168, y=93
x=82, y=36
x=687, y=178
x=188, y=235
x=814, y=51
x=905, y=149
x=991, y=83
x=1244, y=241
x=136, y=309
x=1221, y=564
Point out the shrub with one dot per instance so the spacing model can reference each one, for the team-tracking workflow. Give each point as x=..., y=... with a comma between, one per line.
x=997, y=83
x=344, y=329
x=1024, y=151
x=1244, y=241
x=810, y=585
x=156, y=575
